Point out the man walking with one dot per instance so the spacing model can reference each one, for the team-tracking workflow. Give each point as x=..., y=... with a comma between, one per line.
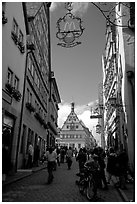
x=51, y=157
x=69, y=157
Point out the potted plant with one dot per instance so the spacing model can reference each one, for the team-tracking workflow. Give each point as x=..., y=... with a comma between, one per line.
x=9, y=88
x=30, y=107
x=21, y=47
x=16, y=95
x=30, y=46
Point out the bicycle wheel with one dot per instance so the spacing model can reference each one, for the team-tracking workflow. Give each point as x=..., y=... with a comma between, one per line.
x=91, y=192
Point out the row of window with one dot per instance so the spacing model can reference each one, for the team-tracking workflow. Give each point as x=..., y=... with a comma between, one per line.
x=41, y=29
x=42, y=62
x=36, y=79
x=72, y=118
x=38, y=107
x=17, y=36
x=12, y=79
x=72, y=126
x=71, y=136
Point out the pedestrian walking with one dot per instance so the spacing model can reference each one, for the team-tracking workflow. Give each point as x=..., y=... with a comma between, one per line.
x=101, y=157
x=111, y=163
x=51, y=158
x=75, y=152
x=6, y=161
x=58, y=155
x=69, y=155
x=30, y=156
x=122, y=160
x=62, y=154
x=94, y=166
x=81, y=158
x=36, y=155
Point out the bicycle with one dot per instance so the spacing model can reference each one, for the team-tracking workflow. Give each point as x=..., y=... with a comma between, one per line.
x=87, y=185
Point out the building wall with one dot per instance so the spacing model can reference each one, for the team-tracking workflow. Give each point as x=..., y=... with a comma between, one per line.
x=111, y=121
x=34, y=124
x=126, y=49
x=75, y=139
x=15, y=60
x=53, y=113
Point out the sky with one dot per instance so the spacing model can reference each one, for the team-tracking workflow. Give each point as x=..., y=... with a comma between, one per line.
x=78, y=70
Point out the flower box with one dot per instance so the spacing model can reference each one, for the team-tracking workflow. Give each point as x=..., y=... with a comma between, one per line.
x=9, y=88
x=30, y=46
x=21, y=47
x=30, y=107
x=39, y=118
x=16, y=94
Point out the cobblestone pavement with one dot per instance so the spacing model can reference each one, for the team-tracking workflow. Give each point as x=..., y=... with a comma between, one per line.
x=63, y=188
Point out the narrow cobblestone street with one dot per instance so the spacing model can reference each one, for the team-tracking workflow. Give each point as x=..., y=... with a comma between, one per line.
x=63, y=188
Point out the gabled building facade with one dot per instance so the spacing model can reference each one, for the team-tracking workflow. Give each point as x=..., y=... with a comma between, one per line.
x=74, y=133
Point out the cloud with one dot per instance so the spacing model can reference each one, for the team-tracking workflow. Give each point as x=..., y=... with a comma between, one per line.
x=64, y=110
x=78, y=7
x=54, y=6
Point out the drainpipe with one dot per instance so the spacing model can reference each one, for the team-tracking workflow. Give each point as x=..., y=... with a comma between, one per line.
x=21, y=115
x=23, y=96
x=49, y=61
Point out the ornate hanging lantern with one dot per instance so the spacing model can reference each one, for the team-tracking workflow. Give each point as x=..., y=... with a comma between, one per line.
x=69, y=28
